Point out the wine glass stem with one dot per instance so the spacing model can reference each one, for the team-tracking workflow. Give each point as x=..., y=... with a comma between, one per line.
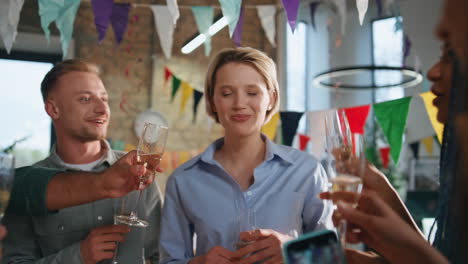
x=114, y=259
x=342, y=226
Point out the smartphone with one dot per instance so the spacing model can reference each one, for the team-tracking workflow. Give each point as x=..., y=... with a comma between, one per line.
x=320, y=247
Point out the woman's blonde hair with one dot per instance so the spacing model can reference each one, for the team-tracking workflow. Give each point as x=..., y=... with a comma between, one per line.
x=263, y=64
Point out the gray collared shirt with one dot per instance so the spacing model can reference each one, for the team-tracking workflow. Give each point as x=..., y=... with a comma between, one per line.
x=55, y=238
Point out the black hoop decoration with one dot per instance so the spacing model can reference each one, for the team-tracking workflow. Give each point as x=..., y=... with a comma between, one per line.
x=414, y=79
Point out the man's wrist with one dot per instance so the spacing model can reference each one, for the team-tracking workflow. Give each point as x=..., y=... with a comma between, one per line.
x=101, y=190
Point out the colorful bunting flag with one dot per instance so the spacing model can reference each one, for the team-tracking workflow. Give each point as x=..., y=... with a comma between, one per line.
x=102, y=10
x=312, y=8
x=175, y=87
x=237, y=36
x=289, y=123
x=362, y=6
x=415, y=149
x=231, y=10
x=197, y=96
x=267, y=13
x=9, y=18
x=418, y=125
x=63, y=13
x=384, y=156
x=165, y=27
x=303, y=140
x=187, y=92
x=291, y=7
x=119, y=20
x=357, y=117
x=167, y=74
x=428, y=144
x=428, y=97
x=204, y=18
x=392, y=117
x=269, y=129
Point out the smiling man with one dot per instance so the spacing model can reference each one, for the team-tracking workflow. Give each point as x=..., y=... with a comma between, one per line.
x=76, y=100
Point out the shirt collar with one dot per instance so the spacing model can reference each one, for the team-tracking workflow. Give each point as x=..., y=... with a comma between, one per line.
x=272, y=150
x=109, y=156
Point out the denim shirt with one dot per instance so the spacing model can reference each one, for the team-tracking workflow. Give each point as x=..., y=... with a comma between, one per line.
x=55, y=238
x=203, y=199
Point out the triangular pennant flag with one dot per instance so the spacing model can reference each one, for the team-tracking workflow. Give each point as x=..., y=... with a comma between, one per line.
x=303, y=140
x=102, y=10
x=173, y=10
x=167, y=74
x=289, y=123
x=63, y=13
x=119, y=20
x=269, y=129
x=291, y=7
x=267, y=13
x=415, y=149
x=204, y=18
x=237, y=36
x=187, y=92
x=317, y=132
x=428, y=97
x=392, y=116
x=9, y=18
x=165, y=28
x=341, y=9
x=175, y=87
x=312, y=8
x=362, y=6
x=418, y=125
x=197, y=96
x=428, y=144
x=384, y=156
x=357, y=117
x=231, y=10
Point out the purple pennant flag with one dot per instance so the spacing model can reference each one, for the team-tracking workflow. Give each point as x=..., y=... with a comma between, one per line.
x=197, y=96
x=289, y=123
x=237, y=35
x=379, y=7
x=119, y=20
x=406, y=48
x=102, y=10
x=291, y=7
x=313, y=8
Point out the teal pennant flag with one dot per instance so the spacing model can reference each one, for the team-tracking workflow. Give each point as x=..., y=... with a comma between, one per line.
x=204, y=18
x=392, y=117
x=231, y=10
x=63, y=12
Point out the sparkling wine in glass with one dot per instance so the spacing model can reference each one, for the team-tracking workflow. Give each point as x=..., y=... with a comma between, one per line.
x=149, y=153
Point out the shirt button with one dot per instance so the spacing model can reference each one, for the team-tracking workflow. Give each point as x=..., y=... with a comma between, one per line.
x=60, y=227
x=249, y=193
x=99, y=218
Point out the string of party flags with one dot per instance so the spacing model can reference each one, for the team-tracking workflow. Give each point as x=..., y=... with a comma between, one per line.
x=107, y=12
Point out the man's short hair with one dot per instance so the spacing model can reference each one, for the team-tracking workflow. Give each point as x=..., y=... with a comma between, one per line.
x=62, y=68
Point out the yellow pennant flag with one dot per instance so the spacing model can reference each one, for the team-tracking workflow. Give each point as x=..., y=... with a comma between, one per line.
x=432, y=112
x=427, y=142
x=187, y=93
x=183, y=157
x=270, y=128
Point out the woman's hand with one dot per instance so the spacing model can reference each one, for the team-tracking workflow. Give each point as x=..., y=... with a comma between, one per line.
x=382, y=229
x=266, y=246
x=216, y=254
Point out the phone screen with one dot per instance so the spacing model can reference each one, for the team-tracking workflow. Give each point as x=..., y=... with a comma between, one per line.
x=320, y=247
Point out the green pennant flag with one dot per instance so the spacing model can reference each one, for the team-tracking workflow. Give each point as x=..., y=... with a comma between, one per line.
x=175, y=87
x=392, y=117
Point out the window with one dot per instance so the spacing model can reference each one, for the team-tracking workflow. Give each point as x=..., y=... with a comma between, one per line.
x=387, y=43
x=296, y=59
x=22, y=109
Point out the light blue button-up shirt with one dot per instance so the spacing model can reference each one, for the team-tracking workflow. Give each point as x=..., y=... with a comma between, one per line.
x=203, y=199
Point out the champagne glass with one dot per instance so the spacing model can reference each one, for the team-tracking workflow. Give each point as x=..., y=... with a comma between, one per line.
x=7, y=172
x=149, y=153
x=345, y=163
